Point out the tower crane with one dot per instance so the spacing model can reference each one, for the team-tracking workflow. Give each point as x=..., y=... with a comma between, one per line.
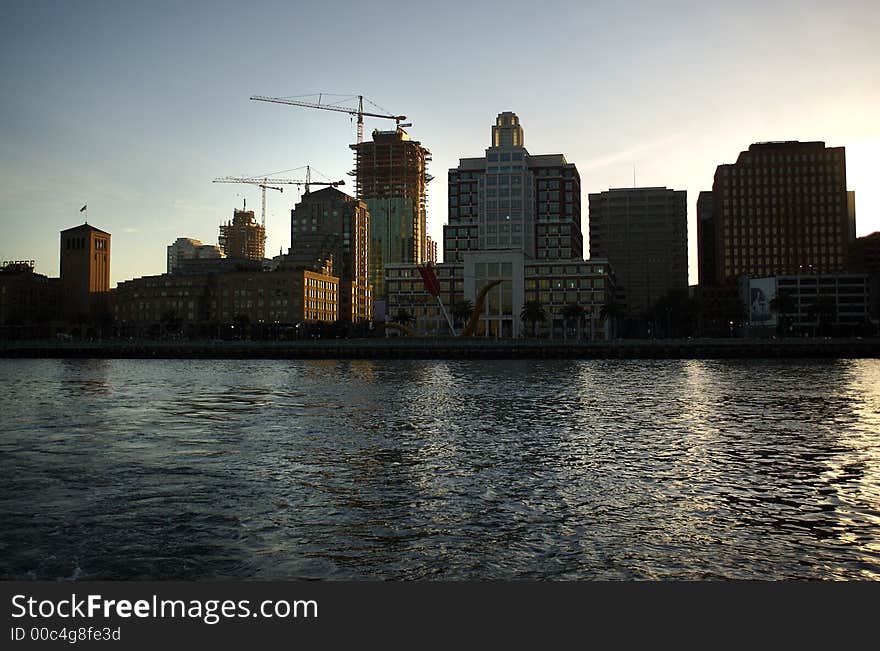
x=266, y=183
x=359, y=111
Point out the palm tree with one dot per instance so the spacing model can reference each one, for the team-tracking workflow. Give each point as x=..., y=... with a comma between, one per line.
x=403, y=317
x=783, y=305
x=461, y=312
x=611, y=311
x=572, y=312
x=533, y=312
x=823, y=311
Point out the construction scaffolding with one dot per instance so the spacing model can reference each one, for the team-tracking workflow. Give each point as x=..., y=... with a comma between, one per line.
x=243, y=237
x=391, y=177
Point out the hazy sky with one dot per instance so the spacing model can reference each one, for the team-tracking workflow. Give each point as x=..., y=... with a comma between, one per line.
x=134, y=107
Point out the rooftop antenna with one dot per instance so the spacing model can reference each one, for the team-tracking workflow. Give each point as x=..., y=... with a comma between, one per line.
x=634, y=175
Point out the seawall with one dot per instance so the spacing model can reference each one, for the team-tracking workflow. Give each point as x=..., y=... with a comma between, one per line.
x=449, y=348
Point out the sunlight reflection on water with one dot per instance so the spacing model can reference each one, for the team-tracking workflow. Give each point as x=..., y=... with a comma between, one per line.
x=131, y=469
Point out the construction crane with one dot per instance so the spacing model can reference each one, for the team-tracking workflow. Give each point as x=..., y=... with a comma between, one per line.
x=359, y=111
x=266, y=183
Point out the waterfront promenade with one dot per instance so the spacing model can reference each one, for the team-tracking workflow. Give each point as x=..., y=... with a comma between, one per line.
x=450, y=348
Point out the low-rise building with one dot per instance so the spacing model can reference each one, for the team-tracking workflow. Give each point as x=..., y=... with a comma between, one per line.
x=203, y=303
x=817, y=304
x=554, y=284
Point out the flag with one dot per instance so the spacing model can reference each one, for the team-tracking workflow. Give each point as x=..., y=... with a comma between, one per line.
x=83, y=208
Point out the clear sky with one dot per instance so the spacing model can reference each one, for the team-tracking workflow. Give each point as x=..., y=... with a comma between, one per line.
x=134, y=107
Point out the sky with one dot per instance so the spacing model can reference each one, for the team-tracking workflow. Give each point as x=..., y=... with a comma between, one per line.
x=133, y=108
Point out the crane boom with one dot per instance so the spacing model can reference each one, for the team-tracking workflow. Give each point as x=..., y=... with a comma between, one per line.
x=265, y=183
x=359, y=111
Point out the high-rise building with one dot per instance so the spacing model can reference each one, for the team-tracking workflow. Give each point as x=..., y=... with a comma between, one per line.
x=512, y=200
x=782, y=208
x=643, y=234
x=705, y=240
x=85, y=269
x=185, y=248
x=243, y=237
x=330, y=223
x=392, y=180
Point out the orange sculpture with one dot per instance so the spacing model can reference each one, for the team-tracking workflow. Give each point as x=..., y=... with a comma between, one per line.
x=478, y=308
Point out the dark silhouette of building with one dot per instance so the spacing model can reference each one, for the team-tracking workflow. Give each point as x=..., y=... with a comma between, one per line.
x=29, y=302
x=864, y=257
x=392, y=180
x=510, y=199
x=782, y=208
x=643, y=234
x=706, y=240
x=330, y=223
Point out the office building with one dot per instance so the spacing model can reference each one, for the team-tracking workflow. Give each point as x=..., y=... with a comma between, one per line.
x=587, y=283
x=206, y=303
x=815, y=304
x=642, y=232
x=392, y=180
x=331, y=224
x=705, y=240
x=185, y=248
x=782, y=209
x=510, y=199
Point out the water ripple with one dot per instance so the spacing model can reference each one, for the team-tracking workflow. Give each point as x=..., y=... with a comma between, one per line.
x=666, y=469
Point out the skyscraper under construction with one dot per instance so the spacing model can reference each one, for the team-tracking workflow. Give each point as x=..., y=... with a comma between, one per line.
x=243, y=237
x=392, y=180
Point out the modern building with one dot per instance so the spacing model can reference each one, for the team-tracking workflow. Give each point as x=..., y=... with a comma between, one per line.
x=510, y=199
x=243, y=237
x=642, y=232
x=185, y=248
x=782, y=209
x=331, y=224
x=706, y=267
x=392, y=180
x=817, y=304
x=864, y=257
x=514, y=217
x=555, y=285
x=85, y=272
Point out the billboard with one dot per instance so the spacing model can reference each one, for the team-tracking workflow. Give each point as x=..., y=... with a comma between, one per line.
x=761, y=292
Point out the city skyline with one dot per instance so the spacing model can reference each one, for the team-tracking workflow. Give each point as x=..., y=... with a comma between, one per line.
x=134, y=110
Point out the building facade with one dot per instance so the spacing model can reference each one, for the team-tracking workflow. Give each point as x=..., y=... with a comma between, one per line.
x=782, y=208
x=28, y=301
x=706, y=267
x=555, y=285
x=185, y=248
x=330, y=223
x=85, y=272
x=203, y=303
x=642, y=232
x=815, y=304
x=392, y=180
x=510, y=199
x=243, y=237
